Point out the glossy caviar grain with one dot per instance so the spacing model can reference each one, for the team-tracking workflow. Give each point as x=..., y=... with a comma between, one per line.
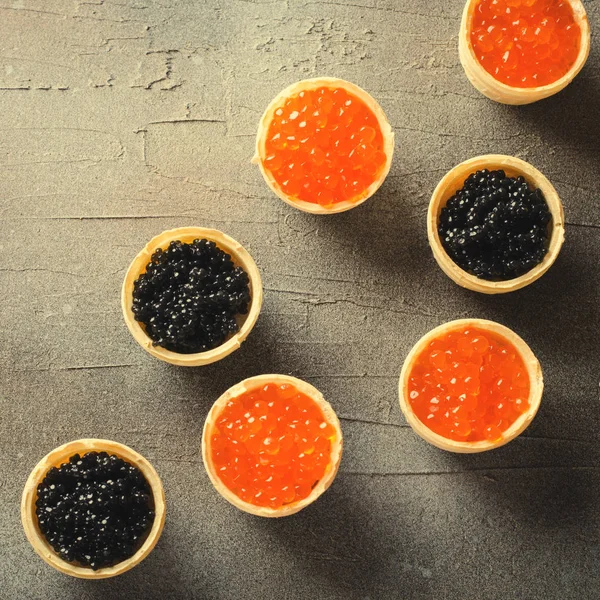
x=525, y=43
x=495, y=227
x=190, y=296
x=324, y=146
x=469, y=385
x=95, y=510
x=272, y=445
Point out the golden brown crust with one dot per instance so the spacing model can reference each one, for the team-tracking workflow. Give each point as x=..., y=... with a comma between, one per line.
x=506, y=94
x=310, y=84
x=240, y=257
x=251, y=384
x=453, y=181
x=531, y=363
x=61, y=455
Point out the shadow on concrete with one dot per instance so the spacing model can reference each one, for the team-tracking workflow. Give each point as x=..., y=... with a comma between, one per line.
x=387, y=233
x=339, y=542
x=568, y=116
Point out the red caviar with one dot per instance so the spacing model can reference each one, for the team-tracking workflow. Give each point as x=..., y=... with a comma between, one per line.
x=324, y=146
x=270, y=446
x=469, y=385
x=525, y=43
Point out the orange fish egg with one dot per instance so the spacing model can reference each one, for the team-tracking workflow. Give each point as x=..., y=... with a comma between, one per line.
x=525, y=43
x=271, y=446
x=324, y=146
x=469, y=385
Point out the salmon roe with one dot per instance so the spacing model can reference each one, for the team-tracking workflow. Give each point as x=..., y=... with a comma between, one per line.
x=469, y=385
x=525, y=43
x=270, y=446
x=324, y=146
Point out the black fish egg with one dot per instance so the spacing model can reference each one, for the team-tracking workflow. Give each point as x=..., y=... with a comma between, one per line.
x=504, y=226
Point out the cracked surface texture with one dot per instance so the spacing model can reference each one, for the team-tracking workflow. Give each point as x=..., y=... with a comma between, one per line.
x=123, y=118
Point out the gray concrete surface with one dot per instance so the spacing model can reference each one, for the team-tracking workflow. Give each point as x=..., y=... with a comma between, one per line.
x=123, y=118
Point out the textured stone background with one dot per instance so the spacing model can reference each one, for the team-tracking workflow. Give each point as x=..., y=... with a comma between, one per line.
x=120, y=119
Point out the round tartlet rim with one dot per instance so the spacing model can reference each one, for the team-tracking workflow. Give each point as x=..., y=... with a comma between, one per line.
x=501, y=92
x=310, y=84
x=240, y=257
x=60, y=455
x=536, y=387
x=253, y=383
x=513, y=166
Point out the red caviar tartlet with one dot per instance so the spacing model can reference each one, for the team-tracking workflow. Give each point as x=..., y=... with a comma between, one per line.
x=271, y=445
x=470, y=385
x=520, y=51
x=324, y=145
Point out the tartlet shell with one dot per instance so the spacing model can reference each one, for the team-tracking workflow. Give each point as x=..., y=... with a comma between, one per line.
x=506, y=94
x=251, y=384
x=61, y=455
x=531, y=363
x=513, y=167
x=240, y=257
x=310, y=84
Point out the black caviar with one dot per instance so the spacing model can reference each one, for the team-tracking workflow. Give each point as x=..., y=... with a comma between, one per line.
x=495, y=227
x=189, y=297
x=95, y=510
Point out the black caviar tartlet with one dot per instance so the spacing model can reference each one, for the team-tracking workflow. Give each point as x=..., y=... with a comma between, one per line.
x=495, y=227
x=191, y=296
x=495, y=224
x=93, y=508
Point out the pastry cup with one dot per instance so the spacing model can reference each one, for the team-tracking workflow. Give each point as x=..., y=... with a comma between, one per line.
x=536, y=387
x=240, y=257
x=513, y=167
x=311, y=84
x=251, y=384
x=61, y=455
x=501, y=92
